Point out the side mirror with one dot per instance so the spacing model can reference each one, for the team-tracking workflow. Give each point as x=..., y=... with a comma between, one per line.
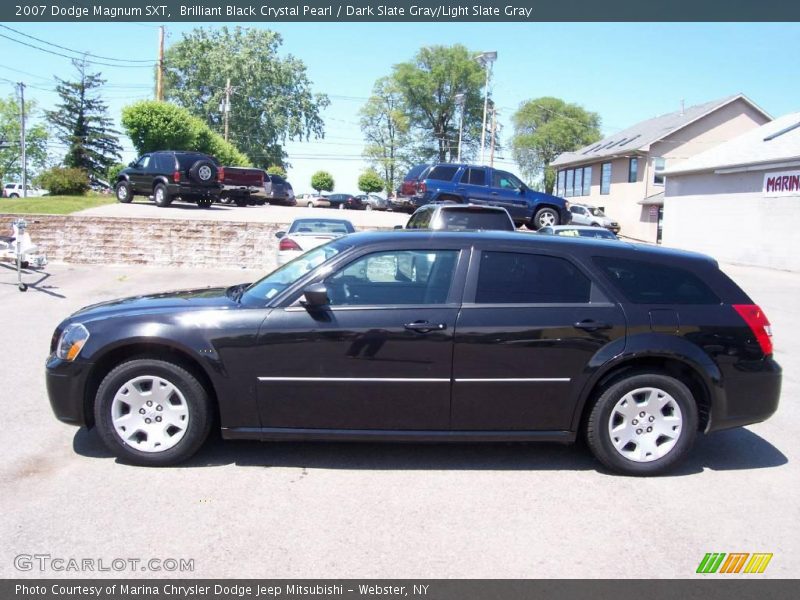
x=132, y=164
x=280, y=234
x=316, y=296
x=399, y=227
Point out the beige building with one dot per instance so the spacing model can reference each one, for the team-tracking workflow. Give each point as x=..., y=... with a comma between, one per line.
x=623, y=173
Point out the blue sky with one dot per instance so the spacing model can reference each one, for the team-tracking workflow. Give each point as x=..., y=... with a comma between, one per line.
x=625, y=72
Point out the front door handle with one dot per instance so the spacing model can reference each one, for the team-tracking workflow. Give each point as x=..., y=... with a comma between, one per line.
x=425, y=326
x=591, y=325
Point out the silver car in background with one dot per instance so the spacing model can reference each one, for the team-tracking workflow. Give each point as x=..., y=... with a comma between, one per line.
x=374, y=202
x=307, y=233
x=583, y=214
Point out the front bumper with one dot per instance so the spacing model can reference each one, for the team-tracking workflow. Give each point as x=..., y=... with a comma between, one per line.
x=66, y=385
x=752, y=394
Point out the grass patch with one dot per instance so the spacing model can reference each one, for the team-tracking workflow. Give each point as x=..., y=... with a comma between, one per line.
x=53, y=205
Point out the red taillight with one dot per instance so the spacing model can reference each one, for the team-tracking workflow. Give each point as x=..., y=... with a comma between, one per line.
x=288, y=244
x=220, y=174
x=421, y=187
x=176, y=177
x=758, y=323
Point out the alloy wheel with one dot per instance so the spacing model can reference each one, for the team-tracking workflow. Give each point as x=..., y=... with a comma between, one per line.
x=150, y=414
x=645, y=424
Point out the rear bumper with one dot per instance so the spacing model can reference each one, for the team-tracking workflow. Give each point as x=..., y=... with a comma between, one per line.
x=194, y=191
x=752, y=394
x=66, y=382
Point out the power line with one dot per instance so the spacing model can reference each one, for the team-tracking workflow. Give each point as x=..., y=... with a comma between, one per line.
x=92, y=62
x=32, y=37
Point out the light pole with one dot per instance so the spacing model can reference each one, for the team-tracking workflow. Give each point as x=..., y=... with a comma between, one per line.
x=485, y=59
x=460, y=101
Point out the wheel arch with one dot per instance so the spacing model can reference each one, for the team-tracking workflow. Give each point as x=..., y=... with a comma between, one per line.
x=700, y=384
x=141, y=349
x=160, y=179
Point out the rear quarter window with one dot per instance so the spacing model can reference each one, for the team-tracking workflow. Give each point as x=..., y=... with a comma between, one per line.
x=653, y=283
x=442, y=172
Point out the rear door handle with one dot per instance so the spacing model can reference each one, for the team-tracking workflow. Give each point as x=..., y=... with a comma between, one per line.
x=591, y=325
x=425, y=326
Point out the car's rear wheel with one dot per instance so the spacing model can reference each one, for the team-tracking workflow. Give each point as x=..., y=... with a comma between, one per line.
x=368, y=207
x=545, y=217
x=123, y=192
x=160, y=196
x=13, y=195
x=643, y=424
x=152, y=412
x=240, y=201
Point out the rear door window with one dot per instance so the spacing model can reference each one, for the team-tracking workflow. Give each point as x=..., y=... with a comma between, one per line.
x=164, y=163
x=459, y=219
x=652, y=283
x=473, y=176
x=442, y=172
x=519, y=278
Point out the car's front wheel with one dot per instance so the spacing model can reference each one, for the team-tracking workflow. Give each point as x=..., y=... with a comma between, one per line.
x=643, y=424
x=545, y=217
x=152, y=412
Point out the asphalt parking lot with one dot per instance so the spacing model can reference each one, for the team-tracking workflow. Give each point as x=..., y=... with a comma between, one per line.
x=365, y=510
x=142, y=208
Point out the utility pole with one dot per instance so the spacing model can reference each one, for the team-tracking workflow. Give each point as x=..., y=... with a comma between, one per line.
x=227, y=107
x=460, y=102
x=494, y=130
x=22, y=139
x=160, y=69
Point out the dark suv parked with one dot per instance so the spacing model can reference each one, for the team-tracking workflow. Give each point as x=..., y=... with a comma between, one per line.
x=461, y=183
x=420, y=336
x=166, y=175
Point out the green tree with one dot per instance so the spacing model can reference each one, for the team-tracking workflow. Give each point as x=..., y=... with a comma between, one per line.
x=385, y=126
x=277, y=170
x=82, y=123
x=35, y=140
x=271, y=100
x=543, y=129
x=429, y=85
x=159, y=126
x=322, y=181
x=370, y=182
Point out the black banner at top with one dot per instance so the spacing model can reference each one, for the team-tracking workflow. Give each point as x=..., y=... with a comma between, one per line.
x=271, y=11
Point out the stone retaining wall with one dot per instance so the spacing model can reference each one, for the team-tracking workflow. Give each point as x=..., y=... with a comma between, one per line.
x=157, y=242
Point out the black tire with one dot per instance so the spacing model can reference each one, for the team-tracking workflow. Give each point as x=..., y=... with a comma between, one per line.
x=545, y=214
x=259, y=202
x=161, y=196
x=23, y=287
x=240, y=201
x=123, y=191
x=195, y=395
x=600, y=439
x=203, y=172
x=205, y=202
x=13, y=195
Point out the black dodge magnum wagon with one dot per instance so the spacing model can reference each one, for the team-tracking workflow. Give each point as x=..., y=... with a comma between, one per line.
x=420, y=336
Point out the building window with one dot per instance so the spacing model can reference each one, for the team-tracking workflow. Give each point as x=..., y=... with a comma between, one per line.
x=587, y=181
x=579, y=182
x=605, y=178
x=570, y=182
x=658, y=170
x=633, y=170
x=560, y=183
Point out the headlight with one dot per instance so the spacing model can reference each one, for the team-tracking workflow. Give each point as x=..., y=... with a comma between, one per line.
x=72, y=340
x=566, y=204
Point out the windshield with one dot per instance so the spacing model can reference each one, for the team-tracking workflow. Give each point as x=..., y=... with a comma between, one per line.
x=270, y=286
x=597, y=212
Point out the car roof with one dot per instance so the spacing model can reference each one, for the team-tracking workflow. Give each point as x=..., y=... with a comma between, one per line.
x=475, y=207
x=530, y=240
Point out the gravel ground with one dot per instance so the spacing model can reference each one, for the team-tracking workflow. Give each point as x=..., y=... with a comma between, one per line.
x=366, y=510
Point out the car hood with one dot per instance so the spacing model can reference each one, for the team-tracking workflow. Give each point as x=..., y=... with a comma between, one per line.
x=182, y=300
